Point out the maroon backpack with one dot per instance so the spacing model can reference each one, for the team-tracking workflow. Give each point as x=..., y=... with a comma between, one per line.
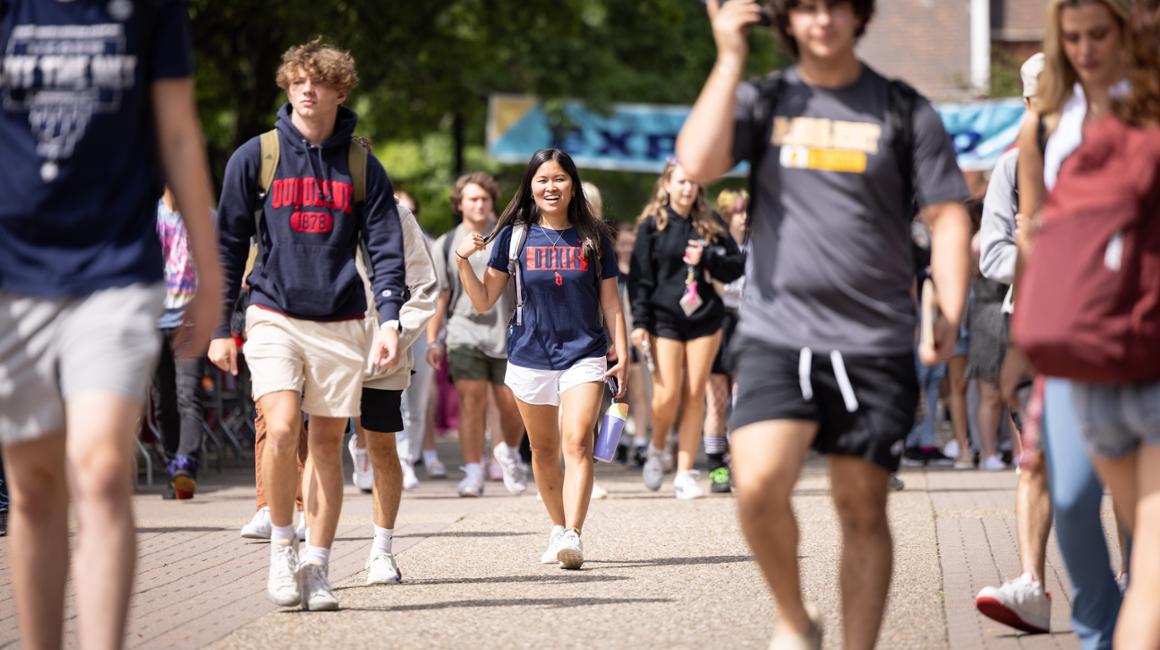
x=1089, y=298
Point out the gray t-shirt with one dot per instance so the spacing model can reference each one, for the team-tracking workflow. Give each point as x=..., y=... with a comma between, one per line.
x=486, y=332
x=831, y=265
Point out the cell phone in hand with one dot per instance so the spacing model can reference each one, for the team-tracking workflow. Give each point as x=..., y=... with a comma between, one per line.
x=613, y=386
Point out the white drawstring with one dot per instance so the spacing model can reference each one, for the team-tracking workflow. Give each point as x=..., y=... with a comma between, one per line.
x=844, y=384
x=805, y=358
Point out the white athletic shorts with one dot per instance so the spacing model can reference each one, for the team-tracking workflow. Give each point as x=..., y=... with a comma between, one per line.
x=544, y=387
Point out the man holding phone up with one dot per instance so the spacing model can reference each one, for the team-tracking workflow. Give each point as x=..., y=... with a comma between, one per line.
x=838, y=154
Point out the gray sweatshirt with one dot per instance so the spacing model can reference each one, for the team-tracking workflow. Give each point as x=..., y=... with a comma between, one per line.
x=997, y=233
x=415, y=312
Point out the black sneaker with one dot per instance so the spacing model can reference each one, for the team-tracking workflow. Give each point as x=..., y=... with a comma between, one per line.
x=720, y=480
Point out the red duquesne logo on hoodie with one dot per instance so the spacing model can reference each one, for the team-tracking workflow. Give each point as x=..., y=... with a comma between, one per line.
x=311, y=193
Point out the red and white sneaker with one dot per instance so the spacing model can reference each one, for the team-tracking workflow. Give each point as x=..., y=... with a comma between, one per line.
x=1021, y=603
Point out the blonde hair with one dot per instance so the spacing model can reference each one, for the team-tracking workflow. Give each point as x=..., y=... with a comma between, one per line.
x=1058, y=76
x=708, y=227
x=595, y=200
x=730, y=201
x=321, y=63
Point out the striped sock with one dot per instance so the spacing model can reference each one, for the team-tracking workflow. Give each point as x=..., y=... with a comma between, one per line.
x=716, y=445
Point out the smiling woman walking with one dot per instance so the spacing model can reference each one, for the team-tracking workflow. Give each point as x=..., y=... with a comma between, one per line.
x=565, y=279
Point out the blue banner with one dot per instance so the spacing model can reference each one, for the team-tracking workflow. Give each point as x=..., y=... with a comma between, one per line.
x=640, y=137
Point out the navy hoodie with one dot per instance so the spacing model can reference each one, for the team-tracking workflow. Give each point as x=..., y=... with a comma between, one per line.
x=310, y=229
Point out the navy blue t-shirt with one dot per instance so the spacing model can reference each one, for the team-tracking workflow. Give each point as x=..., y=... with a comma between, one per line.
x=81, y=175
x=563, y=322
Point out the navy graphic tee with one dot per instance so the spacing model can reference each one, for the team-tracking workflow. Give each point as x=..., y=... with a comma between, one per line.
x=81, y=175
x=563, y=322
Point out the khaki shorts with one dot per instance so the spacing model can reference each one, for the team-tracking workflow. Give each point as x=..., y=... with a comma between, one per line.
x=465, y=362
x=322, y=361
x=52, y=349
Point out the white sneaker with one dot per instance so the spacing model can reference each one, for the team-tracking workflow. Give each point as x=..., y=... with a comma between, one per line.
x=301, y=527
x=364, y=473
x=410, y=480
x=598, y=493
x=317, y=594
x=1020, y=603
x=654, y=470
x=685, y=485
x=472, y=484
x=812, y=640
x=951, y=449
x=508, y=459
x=571, y=551
x=549, y=556
x=258, y=526
x=436, y=469
x=491, y=469
x=282, y=582
x=382, y=569
x=992, y=464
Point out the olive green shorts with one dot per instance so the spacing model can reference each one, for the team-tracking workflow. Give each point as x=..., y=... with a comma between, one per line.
x=466, y=362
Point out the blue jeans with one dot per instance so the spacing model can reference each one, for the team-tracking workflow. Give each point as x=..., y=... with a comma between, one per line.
x=1076, y=493
x=929, y=378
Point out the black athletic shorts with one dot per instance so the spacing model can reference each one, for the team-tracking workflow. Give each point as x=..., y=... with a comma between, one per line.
x=872, y=425
x=685, y=330
x=382, y=410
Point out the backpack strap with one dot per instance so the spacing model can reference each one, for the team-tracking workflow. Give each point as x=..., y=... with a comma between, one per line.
x=357, y=156
x=900, y=115
x=515, y=248
x=449, y=264
x=761, y=119
x=270, y=151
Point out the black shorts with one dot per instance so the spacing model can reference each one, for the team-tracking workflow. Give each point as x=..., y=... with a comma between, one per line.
x=382, y=410
x=884, y=391
x=676, y=330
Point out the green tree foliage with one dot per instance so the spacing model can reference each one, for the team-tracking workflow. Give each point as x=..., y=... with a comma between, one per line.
x=427, y=68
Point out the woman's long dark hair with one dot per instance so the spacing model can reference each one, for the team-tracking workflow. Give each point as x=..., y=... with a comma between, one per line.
x=523, y=209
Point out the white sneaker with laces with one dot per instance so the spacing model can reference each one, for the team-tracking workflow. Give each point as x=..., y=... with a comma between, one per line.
x=382, y=569
x=410, y=480
x=654, y=470
x=508, y=459
x=571, y=551
x=259, y=525
x=436, y=469
x=1021, y=603
x=282, y=584
x=992, y=464
x=472, y=484
x=549, y=556
x=317, y=594
x=364, y=473
x=685, y=485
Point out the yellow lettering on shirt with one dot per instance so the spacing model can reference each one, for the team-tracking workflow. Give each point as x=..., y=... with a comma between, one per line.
x=825, y=145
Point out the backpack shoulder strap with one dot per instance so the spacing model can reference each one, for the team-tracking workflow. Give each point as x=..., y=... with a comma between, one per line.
x=900, y=113
x=515, y=248
x=769, y=88
x=357, y=156
x=271, y=150
x=449, y=265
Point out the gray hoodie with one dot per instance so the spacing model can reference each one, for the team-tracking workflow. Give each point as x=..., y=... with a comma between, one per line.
x=415, y=312
x=997, y=250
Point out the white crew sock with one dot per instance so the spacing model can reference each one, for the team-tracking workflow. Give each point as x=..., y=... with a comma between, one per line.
x=317, y=555
x=283, y=534
x=383, y=539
